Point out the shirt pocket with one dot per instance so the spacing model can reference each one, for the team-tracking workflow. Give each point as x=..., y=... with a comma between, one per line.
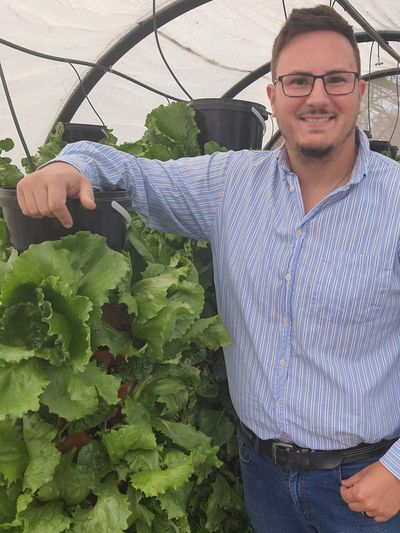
x=350, y=288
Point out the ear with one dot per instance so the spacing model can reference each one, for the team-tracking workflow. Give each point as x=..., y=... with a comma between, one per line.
x=271, y=95
x=361, y=87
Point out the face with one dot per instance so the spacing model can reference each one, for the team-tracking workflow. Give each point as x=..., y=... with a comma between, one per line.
x=318, y=126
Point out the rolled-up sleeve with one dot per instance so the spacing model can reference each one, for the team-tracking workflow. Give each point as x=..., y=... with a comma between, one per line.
x=181, y=196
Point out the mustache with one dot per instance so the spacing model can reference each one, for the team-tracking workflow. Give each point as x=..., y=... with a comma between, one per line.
x=317, y=111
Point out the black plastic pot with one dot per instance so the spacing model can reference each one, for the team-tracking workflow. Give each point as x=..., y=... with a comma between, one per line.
x=109, y=219
x=74, y=132
x=235, y=124
x=383, y=146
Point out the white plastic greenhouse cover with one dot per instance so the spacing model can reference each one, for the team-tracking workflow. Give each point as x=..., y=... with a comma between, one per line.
x=210, y=48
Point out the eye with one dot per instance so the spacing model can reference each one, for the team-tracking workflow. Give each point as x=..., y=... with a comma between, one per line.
x=336, y=79
x=298, y=81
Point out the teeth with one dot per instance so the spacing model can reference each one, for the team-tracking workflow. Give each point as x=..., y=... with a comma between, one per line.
x=325, y=119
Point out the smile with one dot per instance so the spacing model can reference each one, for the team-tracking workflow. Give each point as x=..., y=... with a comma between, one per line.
x=324, y=119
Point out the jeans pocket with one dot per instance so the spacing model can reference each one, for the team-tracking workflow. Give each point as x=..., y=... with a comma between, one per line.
x=349, y=469
x=246, y=451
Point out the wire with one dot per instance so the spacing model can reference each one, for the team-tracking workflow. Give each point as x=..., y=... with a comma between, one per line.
x=284, y=8
x=162, y=54
x=332, y=3
x=369, y=89
x=85, y=94
x=87, y=64
x=272, y=126
x=15, y=119
x=398, y=104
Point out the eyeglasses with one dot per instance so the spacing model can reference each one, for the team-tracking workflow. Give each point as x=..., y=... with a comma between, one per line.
x=335, y=83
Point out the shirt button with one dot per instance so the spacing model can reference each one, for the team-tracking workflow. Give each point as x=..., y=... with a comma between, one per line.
x=288, y=277
x=278, y=404
x=299, y=232
x=282, y=362
x=292, y=188
x=286, y=320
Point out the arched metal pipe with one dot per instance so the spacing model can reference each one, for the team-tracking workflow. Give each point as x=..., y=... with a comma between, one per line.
x=241, y=85
x=367, y=77
x=119, y=49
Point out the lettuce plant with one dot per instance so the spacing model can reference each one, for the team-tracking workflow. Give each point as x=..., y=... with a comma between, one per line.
x=114, y=409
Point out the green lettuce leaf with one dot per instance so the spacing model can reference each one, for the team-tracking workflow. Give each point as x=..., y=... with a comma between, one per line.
x=109, y=514
x=174, y=128
x=127, y=438
x=204, y=455
x=20, y=387
x=15, y=354
x=43, y=455
x=102, y=268
x=67, y=316
x=156, y=482
x=7, y=506
x=48, y=150
x=174, y=501
x=68, y=483
x=142, y=517
x=73, y=396
x=47, y=518
x=93, y=464
x=142, y=460
x=170, y=386
x=222, y=503
x=14, y=455
x=33, y=267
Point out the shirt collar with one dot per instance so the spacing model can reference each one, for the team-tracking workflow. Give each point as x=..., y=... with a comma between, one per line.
x=360, y=166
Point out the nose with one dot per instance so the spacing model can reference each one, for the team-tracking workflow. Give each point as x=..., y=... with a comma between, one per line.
x=318, y=93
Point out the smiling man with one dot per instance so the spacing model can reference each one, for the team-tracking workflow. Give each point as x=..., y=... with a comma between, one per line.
x=306, y=244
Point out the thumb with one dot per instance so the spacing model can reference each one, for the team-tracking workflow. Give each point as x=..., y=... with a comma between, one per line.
x=351, y=481
x=348, y=483
x=86, y=195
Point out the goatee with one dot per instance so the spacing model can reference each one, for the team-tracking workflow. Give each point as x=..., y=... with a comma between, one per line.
x=307, y=153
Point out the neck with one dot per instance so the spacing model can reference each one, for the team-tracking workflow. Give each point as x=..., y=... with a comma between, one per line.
x=324, y=172
x=318, y=177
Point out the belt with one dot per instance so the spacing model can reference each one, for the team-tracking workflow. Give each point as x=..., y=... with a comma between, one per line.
x=292, y=457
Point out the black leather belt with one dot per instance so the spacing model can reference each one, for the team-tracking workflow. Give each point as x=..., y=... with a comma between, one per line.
x=293, y=457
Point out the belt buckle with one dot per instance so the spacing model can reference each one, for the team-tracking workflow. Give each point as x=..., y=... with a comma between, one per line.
x=276, y=446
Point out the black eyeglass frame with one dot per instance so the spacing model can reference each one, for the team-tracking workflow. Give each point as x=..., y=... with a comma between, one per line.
x=321, y=77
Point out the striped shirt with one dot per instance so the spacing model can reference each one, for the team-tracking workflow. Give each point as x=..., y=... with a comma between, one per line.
x=311, y=300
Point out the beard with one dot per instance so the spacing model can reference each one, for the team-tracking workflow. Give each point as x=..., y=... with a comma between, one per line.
x=318, y=153
x=312, y=153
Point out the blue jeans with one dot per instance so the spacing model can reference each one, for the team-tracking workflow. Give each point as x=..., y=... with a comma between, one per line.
x=280, y=501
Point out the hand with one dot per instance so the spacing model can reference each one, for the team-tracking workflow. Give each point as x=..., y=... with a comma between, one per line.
x=373, y=490
x=44, y=192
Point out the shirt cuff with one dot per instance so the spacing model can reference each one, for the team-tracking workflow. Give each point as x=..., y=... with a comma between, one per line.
x=391, y=459
x=83, y=164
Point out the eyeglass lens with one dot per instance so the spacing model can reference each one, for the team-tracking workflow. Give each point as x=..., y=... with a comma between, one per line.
x=302, y=84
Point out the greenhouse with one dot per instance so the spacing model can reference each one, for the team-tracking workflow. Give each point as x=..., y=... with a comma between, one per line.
x=126, y=399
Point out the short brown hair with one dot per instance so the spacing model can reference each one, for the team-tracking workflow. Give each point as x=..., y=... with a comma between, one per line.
x=306, y=20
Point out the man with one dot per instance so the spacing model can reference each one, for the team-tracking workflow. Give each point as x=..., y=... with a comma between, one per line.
x=305, y=243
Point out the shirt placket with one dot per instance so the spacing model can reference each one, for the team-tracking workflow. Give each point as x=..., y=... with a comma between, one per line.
x=289, y=274
x=298, y=233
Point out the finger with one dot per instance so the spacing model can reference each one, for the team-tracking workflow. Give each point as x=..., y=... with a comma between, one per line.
x=348, y=495
x=356, y=507
x=351, y=481
x=60, y=211
x=56, y=201
x=86, y=195
x=345, y=494
x=31, y=208
x=42, y=201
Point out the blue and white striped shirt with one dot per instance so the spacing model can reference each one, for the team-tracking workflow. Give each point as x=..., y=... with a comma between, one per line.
x=312, y=301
